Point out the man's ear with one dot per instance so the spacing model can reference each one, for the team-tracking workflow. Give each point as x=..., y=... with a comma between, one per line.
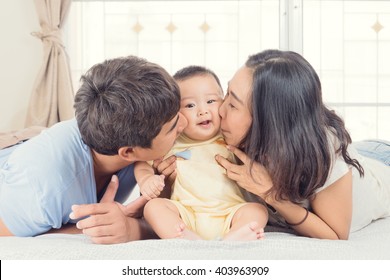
x=127, y=154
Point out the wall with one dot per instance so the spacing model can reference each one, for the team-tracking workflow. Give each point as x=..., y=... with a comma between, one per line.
x=20, y=60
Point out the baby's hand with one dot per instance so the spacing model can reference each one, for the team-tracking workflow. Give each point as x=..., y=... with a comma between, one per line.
x=152, y=186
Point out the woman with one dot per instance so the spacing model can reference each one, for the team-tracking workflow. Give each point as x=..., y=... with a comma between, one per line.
x=295, y=152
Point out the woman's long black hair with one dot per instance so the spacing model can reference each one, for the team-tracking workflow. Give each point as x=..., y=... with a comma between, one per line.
x=292, y=130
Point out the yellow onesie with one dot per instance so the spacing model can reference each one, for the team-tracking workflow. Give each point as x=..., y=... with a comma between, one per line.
x=204, y=196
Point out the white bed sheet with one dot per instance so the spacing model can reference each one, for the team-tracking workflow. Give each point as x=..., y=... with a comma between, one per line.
x=372, y=242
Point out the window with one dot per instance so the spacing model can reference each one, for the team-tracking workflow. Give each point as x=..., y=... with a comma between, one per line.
x=174, y=34
x=347, y=42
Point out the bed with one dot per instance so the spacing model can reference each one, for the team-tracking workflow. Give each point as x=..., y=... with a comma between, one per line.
x=370, y=243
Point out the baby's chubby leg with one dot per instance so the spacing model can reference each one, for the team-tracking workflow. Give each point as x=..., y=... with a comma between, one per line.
x=164, y=218
x=248, y=223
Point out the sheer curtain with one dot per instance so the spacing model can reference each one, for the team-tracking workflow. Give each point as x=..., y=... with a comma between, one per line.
x=52, y=96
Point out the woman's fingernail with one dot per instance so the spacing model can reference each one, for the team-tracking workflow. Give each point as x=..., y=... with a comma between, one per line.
x=71, y=215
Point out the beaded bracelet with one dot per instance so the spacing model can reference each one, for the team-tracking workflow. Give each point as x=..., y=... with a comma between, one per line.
x=301, y=222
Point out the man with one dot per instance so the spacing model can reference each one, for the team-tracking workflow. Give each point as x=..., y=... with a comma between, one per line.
x=127, y=110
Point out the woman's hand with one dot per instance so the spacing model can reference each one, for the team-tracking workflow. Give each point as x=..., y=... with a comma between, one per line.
x=254, y=179
x=167, y=168
x=332, y=207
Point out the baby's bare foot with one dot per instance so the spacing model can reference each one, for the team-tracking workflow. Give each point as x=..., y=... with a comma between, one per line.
x=184, y=233
x=179, y=229
x=251, y=231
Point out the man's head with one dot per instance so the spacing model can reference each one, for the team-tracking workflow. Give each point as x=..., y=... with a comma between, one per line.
x=125, y=102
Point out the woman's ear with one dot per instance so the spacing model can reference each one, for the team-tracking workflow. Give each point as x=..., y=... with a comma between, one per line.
x=127, y=154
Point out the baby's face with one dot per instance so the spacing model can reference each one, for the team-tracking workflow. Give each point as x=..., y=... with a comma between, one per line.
x=201, y=98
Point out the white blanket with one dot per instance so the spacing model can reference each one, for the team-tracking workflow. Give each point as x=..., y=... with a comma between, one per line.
x=372, y=242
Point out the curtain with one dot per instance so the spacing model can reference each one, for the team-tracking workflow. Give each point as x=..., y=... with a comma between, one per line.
x=52, y=97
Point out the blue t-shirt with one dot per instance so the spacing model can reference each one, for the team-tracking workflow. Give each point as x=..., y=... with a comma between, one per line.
x=42, y=178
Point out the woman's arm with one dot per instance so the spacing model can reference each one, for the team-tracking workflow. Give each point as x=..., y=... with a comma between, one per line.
x=332, y=211
x=332, y=207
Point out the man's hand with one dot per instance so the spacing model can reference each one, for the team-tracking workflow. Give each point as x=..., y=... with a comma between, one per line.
x=110, y=222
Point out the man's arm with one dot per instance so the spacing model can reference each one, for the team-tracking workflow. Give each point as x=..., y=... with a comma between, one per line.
x=69, y=229
x=4, y=231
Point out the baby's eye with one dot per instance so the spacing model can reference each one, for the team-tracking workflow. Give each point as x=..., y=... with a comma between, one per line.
x=190, y=105
x=211, y=101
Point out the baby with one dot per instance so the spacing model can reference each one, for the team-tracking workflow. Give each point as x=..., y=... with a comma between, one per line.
x=204, y=203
